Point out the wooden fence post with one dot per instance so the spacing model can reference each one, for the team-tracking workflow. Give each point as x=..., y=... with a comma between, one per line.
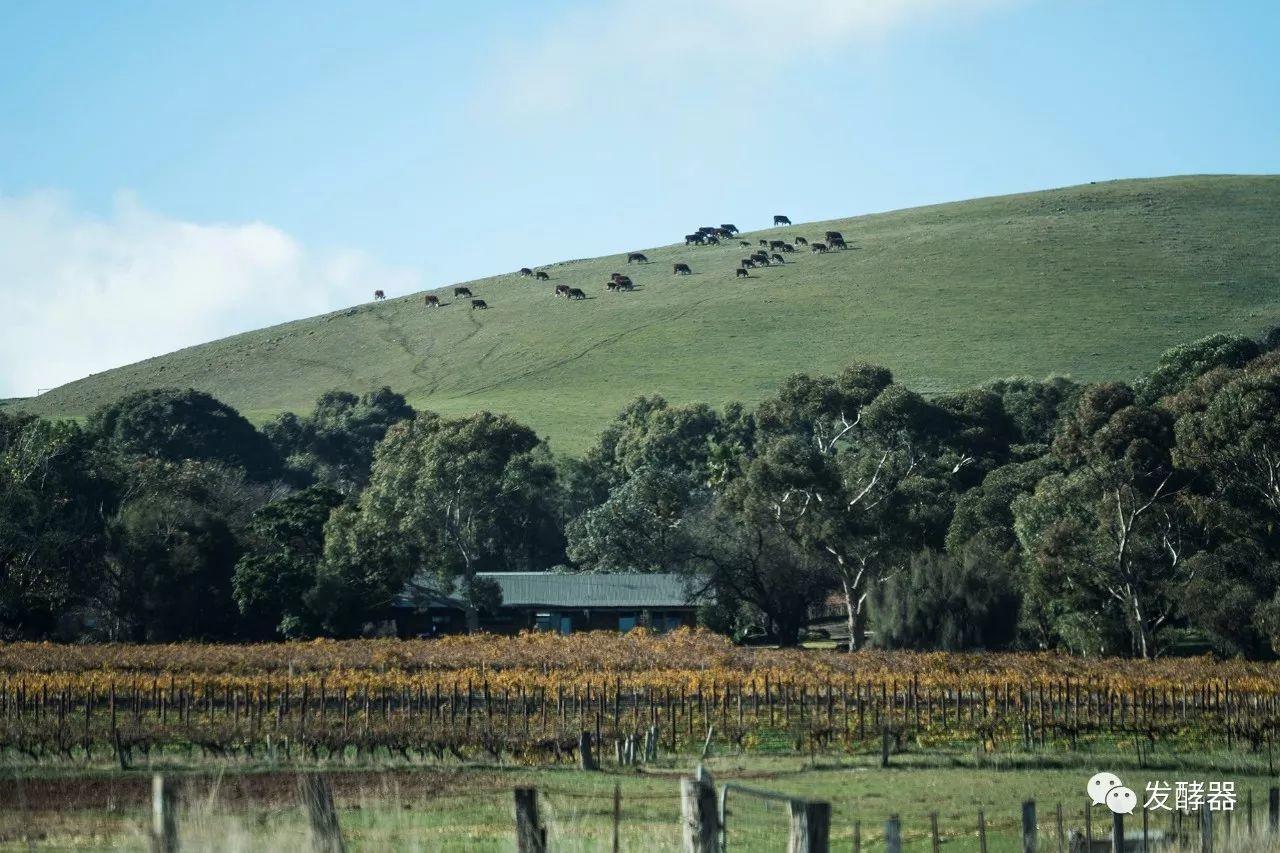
x=857, y=836
x=531, y=836
x=164, y=824
x=1029, y=826
x=884, y=747
x=1117, y=833
x=893, y=835
x=700, y=825
x=617, y=817
x=810, y=827
x=1273, y=809
x=1206, y=831
x=586, y=759
x=982, y=831
x=933, y=831
x=326, y=835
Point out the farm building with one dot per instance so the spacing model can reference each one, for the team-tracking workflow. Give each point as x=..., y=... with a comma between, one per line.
x=553, y=601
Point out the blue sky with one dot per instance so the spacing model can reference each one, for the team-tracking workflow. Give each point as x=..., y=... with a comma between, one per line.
x=170, y=173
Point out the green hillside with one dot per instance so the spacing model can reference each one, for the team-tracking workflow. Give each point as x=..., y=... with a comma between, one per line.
x=1092, y=281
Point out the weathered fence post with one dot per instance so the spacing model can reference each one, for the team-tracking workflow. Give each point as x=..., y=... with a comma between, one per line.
x=982, y=831
x=1062, y=843
x=1206, y=831
x=857, y=836
x=810, y=827
x=164, y=824
x=531, y=836
x=326, y=835
x=700, y=825
x=1117, y=833
x=586, y=759
x=617, y=817
x=884, y=747
x=1273, y=809
x=893, y=835
x=1029, y=826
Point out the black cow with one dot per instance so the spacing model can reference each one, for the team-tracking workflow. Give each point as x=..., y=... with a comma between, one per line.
x=575, y=293
x=562, y=290
x=680, y=269
x=834, y=235
x=729, y=226
x=431, y=301
x=379, y=295
x=694, y=239
x=760, y=256
x=779, y=219
x=541, y=276
x=526, y=272
x=462, y=291
x=787, y=247
x=777, y=244
x=800, y=241
x=747, y=262
x=620, y=280
x=478, y=303
x=637, y=257
x=746, y=244
x=779, y=259
x=764, y=243
x=742, y=272
x=707, y=229
x=817, y=248
x=838, y=243
x=713, y=240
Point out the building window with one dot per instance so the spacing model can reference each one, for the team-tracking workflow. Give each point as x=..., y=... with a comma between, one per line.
x=545, y=622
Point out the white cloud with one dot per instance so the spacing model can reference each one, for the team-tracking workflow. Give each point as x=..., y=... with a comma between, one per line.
x=644, y=47
x=81, y=294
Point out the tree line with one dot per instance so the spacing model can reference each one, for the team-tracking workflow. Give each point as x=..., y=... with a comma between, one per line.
x=1110, y=518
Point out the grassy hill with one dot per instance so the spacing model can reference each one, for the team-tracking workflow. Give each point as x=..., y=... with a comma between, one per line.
x=1092, y=281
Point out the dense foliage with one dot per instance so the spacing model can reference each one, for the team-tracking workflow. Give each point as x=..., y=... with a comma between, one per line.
x=1027, y=514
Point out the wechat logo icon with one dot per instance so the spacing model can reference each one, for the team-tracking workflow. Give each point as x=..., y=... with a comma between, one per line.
x=1107, y=789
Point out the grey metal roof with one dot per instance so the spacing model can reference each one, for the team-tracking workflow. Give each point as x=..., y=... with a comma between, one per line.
x=553, y=589
x=568, y=590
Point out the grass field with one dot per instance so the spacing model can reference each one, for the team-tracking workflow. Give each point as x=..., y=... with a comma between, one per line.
x=1092, y=281
x=469, y=807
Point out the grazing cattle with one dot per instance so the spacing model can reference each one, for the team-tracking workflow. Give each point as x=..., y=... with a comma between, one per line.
x=742, y=273
x=838, y=243
x=779, y=259
x=707, y=229
x=575, y=293
x=562, y=290
x=610, y=285
x=723, y=234
x=787, y=247
x=378, y=294
x=541, y=276
x=713, y=240
x=777, y=244
x=729, y=226
x=759, y=256
x=817, y=248
x=834, y=235
x=431, y=301
x=478, y=303
x=621, y=280
x=746, y=244
x=462, y=291
x=694, y=239
x=764, y=243
x=680, y=269
x=637, y=257
x=800, y=241
x=779, y=219
x=526, y=272
x=747, y=262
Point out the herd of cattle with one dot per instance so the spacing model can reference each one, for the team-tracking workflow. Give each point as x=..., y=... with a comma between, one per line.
x=771, y=253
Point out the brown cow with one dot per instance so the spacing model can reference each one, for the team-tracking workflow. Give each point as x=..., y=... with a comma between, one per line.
x=742, y=273
x=378, y=294
x=478, y=303
x=541, y=276
x=680, y=269
x=431, y=301
x=462, y=291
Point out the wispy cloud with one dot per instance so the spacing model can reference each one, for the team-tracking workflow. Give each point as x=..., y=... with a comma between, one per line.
x=635, y=48
x=83, y=293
